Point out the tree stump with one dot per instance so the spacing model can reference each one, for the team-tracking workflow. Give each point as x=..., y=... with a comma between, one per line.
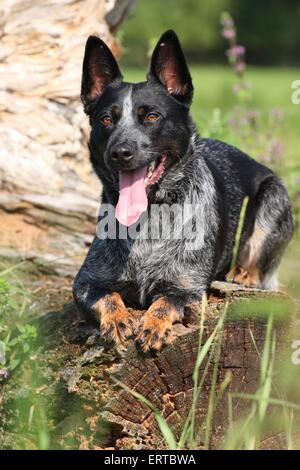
x=87, y=410
x=166, y=379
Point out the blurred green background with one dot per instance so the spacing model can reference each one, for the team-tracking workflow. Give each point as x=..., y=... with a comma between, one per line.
x=270, y=29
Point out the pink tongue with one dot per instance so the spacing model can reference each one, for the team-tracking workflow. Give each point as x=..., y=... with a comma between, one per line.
x=133, y=198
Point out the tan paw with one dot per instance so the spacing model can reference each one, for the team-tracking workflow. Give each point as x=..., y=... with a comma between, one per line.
x=156, y=325
x=246, y=277
x=116, y=323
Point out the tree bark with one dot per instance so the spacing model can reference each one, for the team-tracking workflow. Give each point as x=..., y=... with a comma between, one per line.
x=49, y=196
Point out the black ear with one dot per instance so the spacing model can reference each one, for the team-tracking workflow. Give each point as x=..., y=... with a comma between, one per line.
x=168, y=65
x=99, y=70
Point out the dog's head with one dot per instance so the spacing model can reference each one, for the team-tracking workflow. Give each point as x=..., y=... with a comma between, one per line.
x=139, y=131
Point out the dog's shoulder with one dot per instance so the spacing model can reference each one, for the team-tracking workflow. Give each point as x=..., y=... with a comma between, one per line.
x=234, y=167
x=224, y=155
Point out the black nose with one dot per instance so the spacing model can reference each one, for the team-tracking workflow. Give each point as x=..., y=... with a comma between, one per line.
x=121, y=154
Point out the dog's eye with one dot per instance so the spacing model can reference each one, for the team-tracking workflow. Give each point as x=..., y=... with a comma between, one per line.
x=106, y=120
x=152, y=117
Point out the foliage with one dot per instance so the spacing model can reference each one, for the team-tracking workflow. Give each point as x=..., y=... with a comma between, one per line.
x=269, y=28
x=16, y=334
x=259, y=139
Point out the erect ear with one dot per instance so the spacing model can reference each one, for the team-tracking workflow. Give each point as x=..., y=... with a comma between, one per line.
x=99, y=70
x=169, y=67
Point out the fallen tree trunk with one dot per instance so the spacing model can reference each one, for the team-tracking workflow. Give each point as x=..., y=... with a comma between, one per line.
x=77, y=373
x=48, y=194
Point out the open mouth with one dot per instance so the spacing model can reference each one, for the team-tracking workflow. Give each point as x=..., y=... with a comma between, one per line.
x=155, y=170
x=133, y=186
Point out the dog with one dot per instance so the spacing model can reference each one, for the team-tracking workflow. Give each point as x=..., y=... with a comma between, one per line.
x=145, y=149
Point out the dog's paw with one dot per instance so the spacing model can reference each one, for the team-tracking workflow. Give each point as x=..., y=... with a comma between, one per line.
x=244, y=277
x=116, y=323
x=155, y=329
x=117, y=327
x=153, y=333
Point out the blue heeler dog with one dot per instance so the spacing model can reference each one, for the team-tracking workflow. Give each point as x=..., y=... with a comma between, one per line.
x=146, y=152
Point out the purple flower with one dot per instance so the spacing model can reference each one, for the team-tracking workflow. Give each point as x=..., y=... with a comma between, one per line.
x=253, y=115
x=239, y=67
x=236, y=51
x=276, y=149
x=244, y=121
x=227, y=21
x=232, y=121
x=237, y=88
x=277, y=114
x=4, y=374
x=228, y=33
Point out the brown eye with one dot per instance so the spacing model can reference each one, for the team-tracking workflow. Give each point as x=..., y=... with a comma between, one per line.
x=152, y=117
x=106, y=120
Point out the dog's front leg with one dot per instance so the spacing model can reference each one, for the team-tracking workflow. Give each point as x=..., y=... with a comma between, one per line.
x=155, y=328
x=94, y=293
x=116, y=322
